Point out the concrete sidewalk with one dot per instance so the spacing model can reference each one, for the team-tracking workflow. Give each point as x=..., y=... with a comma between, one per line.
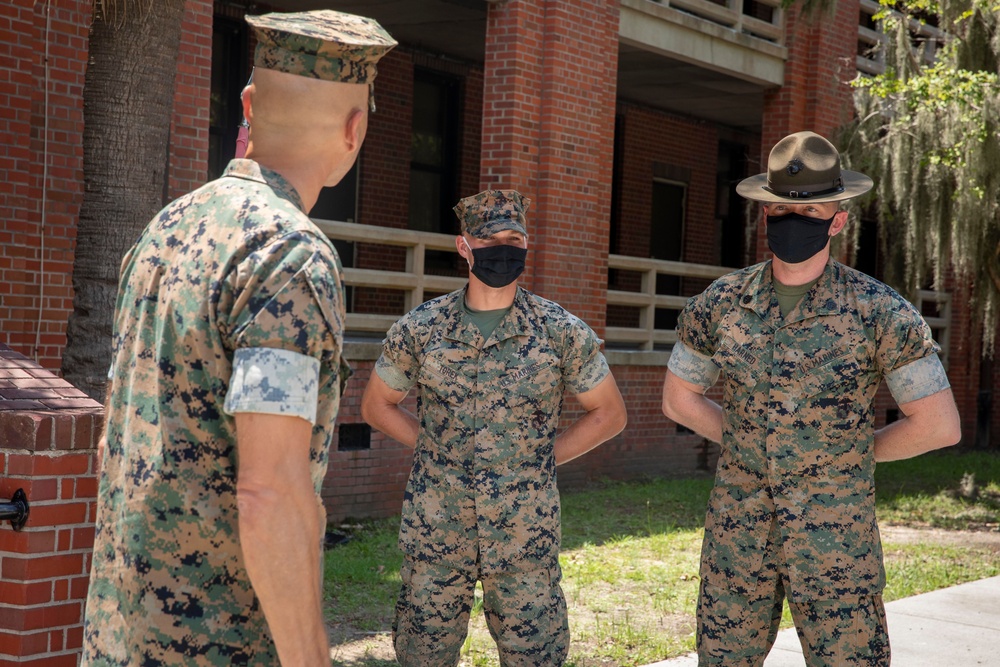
x=952, y=627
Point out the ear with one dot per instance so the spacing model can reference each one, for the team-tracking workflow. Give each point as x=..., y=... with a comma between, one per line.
x=245, y=100
x=355, y=130
x=460, y=246
x=839, y=222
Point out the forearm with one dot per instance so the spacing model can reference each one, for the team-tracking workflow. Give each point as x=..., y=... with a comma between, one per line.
x=928, y=423
x=900, y=440
x=588, y=432
x=395, y=422
x=698, y=413
x=280, y=535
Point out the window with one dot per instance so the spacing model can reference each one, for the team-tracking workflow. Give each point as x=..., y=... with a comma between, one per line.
x=666, y=240
x=229, y=77
x=729, y=207
x=434, y=157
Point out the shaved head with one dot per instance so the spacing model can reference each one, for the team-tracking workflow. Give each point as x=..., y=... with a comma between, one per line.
x=307, y=127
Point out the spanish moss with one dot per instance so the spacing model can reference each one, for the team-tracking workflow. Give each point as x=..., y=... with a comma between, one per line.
x=929, y=134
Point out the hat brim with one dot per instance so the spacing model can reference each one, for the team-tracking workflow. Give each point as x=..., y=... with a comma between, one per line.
x=855, y=185
x=496, y=226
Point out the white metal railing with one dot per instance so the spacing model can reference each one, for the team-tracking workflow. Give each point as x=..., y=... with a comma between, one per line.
x=940, y=324
x=414, y=282
x=871, y=43
x=646, y=336
x=729, y=13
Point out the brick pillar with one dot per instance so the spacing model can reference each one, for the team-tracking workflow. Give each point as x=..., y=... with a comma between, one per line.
x=816, y=96
x=548, y=131
x=48, y=433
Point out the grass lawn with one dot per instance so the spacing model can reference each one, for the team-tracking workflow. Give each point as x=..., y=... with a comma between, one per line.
x=630, y=560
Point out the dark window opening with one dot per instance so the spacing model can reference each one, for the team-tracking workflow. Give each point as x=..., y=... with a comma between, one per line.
x=434, y=160
x=229, y=76
x=867, y=255
x=732, y=168
x=354, y=437
x=666, y=241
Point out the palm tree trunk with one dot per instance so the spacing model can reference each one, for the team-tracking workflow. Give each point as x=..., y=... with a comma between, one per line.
x=127, y=108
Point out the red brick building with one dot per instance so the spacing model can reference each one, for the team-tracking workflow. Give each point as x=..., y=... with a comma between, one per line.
x=626, y=122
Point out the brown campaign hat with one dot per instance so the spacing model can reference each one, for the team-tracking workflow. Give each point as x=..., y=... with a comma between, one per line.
x=804, y=167
x=491, y=211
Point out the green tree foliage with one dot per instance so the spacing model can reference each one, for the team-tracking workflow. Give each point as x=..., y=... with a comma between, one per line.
x=929, y=134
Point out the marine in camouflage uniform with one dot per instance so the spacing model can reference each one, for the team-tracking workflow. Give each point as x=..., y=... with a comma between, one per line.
x=230, y=302
x=792, y=513
x=481, y=502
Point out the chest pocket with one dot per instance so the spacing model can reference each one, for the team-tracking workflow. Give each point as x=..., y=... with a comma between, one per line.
x=838, y=372
x=528, y=380
x=444, y=379
x=738, y=361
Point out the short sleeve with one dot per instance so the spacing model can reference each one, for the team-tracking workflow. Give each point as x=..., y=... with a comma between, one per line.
x=907, y=354
x=284, y=324
x=287, y=295
x=697, y=343
x=271, y=381
x=695, y=327
x=917, y=379
x=584, y=365
x=692, y=366
x=398, y=366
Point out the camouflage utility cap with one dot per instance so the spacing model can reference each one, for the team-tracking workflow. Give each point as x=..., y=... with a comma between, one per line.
x=492, y=211
x=321, y=44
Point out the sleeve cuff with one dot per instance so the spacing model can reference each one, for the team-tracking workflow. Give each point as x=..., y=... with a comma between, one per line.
x=692, y=366
x=273, y=381
x=394, y=378
x=591, y=375
x=917, y=379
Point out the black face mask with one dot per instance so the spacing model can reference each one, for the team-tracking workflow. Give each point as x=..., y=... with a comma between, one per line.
x=794, y=238
x=498, y=265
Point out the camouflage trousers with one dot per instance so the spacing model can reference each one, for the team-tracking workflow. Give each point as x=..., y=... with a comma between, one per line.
x=738, y=630
x=525, y=613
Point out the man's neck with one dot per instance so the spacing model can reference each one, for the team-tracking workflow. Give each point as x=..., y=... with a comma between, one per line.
x=802, y=272
x=480, y=296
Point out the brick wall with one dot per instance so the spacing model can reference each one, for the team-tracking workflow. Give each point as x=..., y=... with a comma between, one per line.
x=48, y=432
x=41, y=167
x=816, y=95
x=548, y=127
x=192, y=92
x=41, y=157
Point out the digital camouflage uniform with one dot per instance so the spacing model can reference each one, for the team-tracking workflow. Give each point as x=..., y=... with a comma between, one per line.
x=230, y=301
x=482, y=502
x=234, y=268
x=793, y=508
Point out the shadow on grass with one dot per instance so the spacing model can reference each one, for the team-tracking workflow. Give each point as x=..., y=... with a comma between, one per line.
x=609, y=511
x=936, y=472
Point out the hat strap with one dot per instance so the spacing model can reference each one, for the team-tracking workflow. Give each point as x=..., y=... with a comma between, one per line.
x=807, y=191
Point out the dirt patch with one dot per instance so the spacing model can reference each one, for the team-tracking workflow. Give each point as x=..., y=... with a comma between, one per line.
x=988, y=539
x=355, y=648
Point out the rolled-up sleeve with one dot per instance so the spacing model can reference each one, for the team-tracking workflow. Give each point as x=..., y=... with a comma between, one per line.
x=273, y=381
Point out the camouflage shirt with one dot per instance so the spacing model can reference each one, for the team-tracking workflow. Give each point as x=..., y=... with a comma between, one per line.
x=483, y=484
x=798, y=421
x=231, y=290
